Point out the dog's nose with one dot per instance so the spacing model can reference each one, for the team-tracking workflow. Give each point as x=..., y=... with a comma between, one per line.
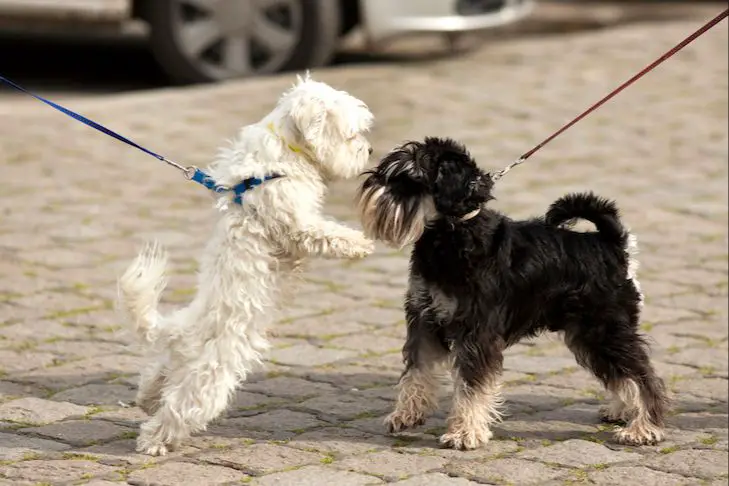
x=371, y=150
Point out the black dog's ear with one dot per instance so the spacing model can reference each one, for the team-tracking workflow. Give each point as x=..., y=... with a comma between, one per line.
x=460, y=188
x=406, y=161
x=401, y=171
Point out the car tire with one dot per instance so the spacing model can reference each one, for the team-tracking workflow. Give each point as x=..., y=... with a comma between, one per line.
x=314, y=27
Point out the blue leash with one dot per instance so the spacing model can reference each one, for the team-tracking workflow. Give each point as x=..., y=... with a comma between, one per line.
x=191, y=173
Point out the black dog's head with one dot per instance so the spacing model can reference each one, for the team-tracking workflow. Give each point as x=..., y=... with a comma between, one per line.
x=417, y=183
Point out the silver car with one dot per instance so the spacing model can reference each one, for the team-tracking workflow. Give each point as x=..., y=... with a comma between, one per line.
x=210, y=40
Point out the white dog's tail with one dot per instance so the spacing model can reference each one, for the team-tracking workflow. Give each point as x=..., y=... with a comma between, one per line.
x=140, y=289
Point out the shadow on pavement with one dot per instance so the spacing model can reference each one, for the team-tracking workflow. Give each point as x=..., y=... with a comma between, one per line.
x=353, y=415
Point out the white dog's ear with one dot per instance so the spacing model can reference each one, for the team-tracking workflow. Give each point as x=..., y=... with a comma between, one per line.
x=308, y=116
x=302, y=80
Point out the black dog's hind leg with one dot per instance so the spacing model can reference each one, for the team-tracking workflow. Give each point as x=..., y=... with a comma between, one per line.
x=610, y=346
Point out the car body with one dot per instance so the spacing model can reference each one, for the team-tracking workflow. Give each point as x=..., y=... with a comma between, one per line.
x=211, y=40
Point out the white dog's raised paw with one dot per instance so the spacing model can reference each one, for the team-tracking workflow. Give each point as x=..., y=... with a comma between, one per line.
x=362, y=248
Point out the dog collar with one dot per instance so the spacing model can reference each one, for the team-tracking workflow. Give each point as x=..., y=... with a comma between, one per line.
x=298, y=149
x=470, y=215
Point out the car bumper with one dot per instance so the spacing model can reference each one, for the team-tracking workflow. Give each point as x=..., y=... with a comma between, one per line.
x=383, y=19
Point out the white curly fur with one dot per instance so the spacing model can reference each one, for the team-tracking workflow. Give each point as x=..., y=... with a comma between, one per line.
x=200, y=353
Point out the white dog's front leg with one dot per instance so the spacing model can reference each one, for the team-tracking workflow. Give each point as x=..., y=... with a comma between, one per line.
x=334, y=240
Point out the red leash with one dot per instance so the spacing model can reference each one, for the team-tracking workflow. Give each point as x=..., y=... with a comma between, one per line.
x=617, y=90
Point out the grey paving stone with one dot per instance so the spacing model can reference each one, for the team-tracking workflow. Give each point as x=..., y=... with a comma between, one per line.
x=285, y=420
x=553, y=430
x=345, y=405
x=579, y=453
x=509, y=471
x=259, y=459
x=33, y=410
x=11, y=391
x=581, y=413
x=316, y=476
x=648, y=477
x=700, y=421
x=391, y=465
x=536, y=397
x=80, y=432
x=51, y=470
x=715, y=389
x=700, y=357
x=328, y=326
x=495, y=448
x=308, y=355
x=97, y=395
x=251, y=401
x=289, y=387
x=696, y=463
x=367, y=343
x=12, y=360
x=14, y=447
x=576, y=380
x=340, y=441
x=104, y=482
x=122, y=453
x=176, y=473
x=121, y=415
x=77, y=373
x=435, y=479
x=538, y=364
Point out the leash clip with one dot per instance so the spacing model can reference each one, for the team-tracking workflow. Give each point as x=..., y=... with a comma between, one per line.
x=189, y=172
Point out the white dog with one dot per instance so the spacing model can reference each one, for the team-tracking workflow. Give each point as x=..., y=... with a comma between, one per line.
x=201, y=352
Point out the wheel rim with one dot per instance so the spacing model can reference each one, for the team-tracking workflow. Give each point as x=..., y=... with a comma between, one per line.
x=231, y=38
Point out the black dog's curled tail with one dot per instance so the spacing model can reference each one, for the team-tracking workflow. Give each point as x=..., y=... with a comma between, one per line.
x=601, y=212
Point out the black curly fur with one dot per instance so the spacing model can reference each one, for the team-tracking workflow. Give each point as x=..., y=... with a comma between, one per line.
x=507, y=280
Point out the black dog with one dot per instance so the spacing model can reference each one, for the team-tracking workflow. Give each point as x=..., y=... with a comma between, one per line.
x=480, y=282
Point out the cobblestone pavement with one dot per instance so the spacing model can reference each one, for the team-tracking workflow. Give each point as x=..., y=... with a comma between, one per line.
x=76, y=206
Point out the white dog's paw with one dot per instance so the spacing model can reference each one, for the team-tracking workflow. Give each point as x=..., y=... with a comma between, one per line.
x=465, y=439
x=151, y=448
x=360, y=248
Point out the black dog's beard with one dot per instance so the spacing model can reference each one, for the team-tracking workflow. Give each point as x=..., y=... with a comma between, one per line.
x=396, y=220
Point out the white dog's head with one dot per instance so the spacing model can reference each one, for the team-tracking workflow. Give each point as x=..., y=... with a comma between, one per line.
x=330, y=124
